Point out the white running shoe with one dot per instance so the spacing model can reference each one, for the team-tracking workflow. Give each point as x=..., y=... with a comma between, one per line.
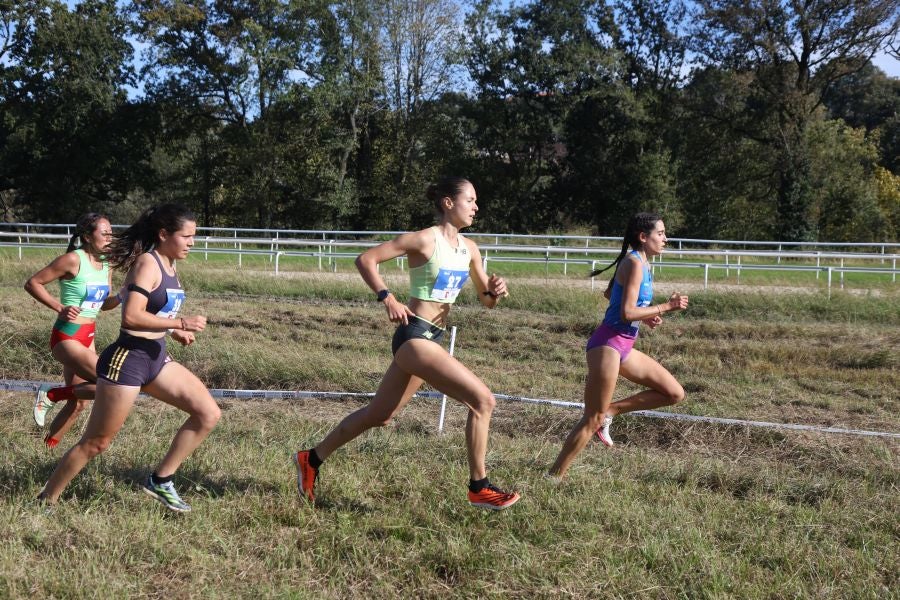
x=42, y=405
x=603, y=432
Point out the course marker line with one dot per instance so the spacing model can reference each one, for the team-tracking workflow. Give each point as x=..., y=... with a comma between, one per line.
x=21, y=385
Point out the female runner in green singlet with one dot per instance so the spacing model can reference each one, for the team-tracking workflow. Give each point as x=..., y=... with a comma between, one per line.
x=440, y=261
x=84, y=290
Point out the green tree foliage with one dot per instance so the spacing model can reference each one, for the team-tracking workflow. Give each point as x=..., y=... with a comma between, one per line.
x=795, y=52
x=870, y=99
x=71, y=141
x=734, y=119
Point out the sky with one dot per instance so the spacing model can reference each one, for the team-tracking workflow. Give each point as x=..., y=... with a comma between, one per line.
x=888, y=64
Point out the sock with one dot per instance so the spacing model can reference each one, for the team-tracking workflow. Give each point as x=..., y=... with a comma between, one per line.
x=159, y=480
x=61, y=393
x=51, y=442
x=314, y=461
x=477, y=486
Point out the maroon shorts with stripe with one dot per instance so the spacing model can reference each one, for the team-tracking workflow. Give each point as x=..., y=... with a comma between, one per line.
x=132, y=360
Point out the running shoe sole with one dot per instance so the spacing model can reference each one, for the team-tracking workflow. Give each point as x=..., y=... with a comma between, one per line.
x=42, y=406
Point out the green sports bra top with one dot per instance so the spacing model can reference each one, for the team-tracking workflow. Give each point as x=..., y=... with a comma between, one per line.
x=442, y=277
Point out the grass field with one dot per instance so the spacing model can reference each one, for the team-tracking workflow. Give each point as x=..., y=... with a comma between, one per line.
x=673, y=511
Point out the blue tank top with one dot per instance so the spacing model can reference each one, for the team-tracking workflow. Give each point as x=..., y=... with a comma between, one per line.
x=166, y=299
x=613, y=316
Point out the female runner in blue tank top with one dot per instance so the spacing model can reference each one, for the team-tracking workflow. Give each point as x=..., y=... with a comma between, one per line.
x=440, y=261
x=610, y=350
x=138, y=359
x=84, y=279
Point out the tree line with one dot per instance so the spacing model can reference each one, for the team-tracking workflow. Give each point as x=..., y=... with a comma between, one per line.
x=740, y=120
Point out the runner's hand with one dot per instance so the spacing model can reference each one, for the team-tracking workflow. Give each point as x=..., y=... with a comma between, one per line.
x=497, y=286
x=192, y=323
x=397, y=311
x=653, y=322
x=185, y=338
x=678, y=302
x=69, y=313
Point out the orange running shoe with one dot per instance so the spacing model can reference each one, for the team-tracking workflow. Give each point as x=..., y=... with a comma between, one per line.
x=306, y=475
x=492, y=498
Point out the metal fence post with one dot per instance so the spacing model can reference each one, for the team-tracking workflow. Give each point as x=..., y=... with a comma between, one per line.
x=842, y=273
x=706, y=276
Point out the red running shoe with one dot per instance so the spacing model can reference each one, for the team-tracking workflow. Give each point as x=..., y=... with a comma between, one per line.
x=492, y=498
x=306, y=476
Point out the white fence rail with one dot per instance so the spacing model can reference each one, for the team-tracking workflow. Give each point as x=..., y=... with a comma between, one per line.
x=557, y=241
x=329, y=251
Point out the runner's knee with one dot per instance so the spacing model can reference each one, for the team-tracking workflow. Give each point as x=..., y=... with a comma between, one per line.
x=675, y=394
x=484, y=403
x=209, y=416
x=96, y=445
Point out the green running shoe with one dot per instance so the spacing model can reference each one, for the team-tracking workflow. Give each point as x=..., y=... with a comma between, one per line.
x=42, y=405
x=165, y=493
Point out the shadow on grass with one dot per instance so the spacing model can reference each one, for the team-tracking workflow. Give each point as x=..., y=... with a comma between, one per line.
x=29, y=482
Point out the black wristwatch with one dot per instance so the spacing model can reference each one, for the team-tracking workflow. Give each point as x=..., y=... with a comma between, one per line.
x=382, y=294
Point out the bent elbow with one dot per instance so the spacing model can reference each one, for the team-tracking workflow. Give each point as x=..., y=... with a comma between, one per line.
x=360, y=263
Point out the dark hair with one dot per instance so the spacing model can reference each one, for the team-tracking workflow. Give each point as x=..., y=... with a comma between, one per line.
x=446, y=187
x=144, y=234
x=642, y=222
x=84, y=226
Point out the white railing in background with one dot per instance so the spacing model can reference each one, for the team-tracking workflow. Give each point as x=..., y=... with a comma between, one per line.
x=327, y=234
x=329, y=251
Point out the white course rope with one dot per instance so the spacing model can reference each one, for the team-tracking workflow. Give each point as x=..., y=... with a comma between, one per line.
x=20, y=385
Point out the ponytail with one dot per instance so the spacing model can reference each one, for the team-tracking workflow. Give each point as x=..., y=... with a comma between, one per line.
x=619, y=258
x=643, y=222
x=84, y=226
x=143, y=235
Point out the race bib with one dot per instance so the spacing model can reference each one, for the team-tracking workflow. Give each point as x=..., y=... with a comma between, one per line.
x=447, y=285
x=174, y=300
x=95, y=294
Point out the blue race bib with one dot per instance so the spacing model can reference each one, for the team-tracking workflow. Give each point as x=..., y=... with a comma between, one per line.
x=95, y=294
x=174, y=300
x=447, y=285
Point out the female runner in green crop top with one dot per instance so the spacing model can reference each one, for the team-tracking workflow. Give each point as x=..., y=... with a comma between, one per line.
x=440, y=261
x=85, y=282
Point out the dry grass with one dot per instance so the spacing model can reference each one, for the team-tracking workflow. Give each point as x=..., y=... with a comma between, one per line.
x=674, y=510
